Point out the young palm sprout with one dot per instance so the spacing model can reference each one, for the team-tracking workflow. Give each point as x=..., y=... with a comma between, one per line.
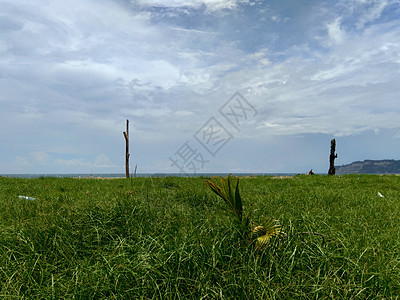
x=260, y=234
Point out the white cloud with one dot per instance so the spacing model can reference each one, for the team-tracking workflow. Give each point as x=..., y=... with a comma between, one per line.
x=40, y=157
x=102, y=161
x=372, y=12
x=77, y=163
x=335, y=32
x=21, y=161
x=72, y=72
x=211, y=5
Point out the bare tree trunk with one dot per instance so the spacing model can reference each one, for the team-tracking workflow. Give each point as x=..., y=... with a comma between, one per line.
x=126, y=136
x=332, y=157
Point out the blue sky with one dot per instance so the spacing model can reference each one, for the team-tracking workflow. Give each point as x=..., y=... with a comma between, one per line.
x=72, y=72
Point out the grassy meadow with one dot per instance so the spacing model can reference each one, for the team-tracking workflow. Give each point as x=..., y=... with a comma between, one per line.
x=173, y=238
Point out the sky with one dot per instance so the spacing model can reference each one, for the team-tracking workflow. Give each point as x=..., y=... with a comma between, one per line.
x=207, y=85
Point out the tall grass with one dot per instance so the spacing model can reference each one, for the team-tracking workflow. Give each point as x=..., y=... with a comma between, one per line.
x=171, y=238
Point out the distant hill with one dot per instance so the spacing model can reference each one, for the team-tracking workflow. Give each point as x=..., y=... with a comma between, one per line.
x=386, y=166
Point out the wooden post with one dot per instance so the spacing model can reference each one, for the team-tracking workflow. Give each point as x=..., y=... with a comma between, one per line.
x=126, y=136
x=332, y=157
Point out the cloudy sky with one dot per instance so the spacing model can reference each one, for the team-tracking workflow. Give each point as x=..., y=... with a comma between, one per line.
x=208, y=85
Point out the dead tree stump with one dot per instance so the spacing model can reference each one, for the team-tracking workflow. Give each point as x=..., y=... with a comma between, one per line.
x=332, y=157
x=126, y=136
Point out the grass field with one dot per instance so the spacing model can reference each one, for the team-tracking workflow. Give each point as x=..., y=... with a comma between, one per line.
x=172, y=238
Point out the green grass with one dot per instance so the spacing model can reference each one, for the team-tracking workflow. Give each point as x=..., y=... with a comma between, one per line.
x=172, y=238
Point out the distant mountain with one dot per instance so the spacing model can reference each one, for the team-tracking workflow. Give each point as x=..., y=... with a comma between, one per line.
x=386, y=166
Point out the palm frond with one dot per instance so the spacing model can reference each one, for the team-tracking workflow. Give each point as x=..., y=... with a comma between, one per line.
x=262, y=234
x=238, y=201
x=225, y=191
